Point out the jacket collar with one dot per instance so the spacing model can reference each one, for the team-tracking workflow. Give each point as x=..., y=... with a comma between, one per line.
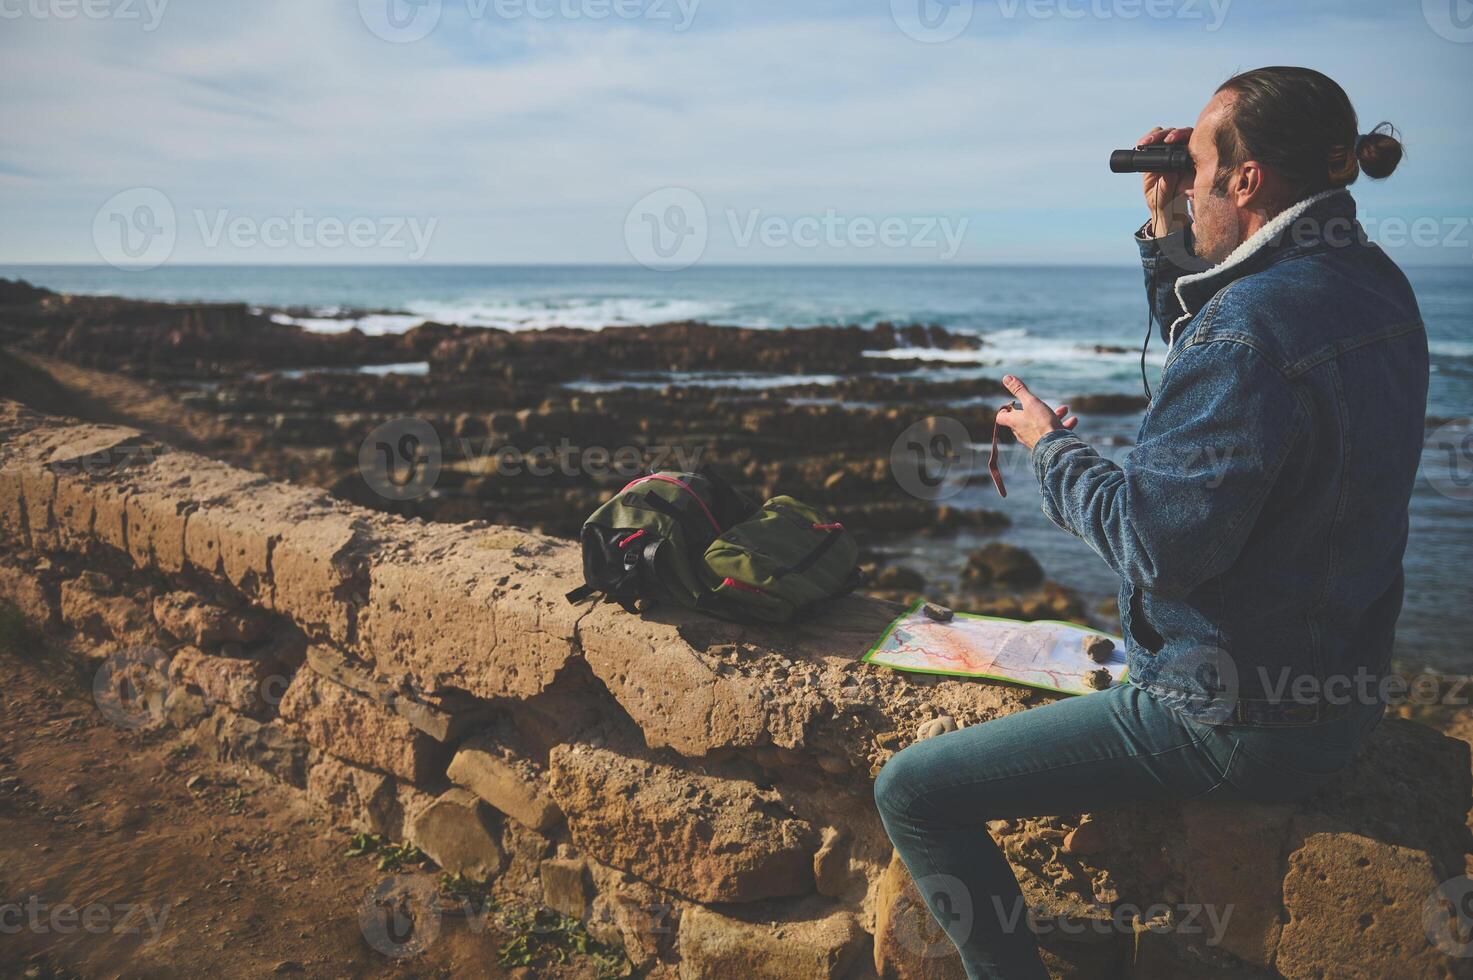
x=1310, y=220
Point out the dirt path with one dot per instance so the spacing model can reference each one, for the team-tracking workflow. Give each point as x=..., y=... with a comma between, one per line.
x=100, y=396
x=123, y=854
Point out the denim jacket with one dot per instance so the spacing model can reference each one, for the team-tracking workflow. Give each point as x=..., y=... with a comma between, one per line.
x=1259, y=523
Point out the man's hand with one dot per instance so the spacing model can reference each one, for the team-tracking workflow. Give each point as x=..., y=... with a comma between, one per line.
x=1164, y=191
x=1033, y=419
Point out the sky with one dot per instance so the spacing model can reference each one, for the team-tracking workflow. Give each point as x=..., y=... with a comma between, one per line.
x=618, y=131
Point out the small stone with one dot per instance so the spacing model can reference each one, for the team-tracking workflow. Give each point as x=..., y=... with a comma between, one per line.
x=196, y=782
x=1099, y=678
x=833, y=764
x=939, y=613
x=1087, y=838
x=287, y=966
x=936, y=726
x=1099, y=648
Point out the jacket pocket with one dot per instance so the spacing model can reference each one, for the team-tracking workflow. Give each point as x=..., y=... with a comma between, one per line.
x=1140, y=628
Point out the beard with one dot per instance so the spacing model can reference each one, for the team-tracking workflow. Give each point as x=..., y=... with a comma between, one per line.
x=1215, y=230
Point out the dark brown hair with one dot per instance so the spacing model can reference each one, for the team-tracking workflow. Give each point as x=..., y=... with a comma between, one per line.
x=1300, y=123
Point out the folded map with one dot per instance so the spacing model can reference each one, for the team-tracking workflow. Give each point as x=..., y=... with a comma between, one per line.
x=1043, y=653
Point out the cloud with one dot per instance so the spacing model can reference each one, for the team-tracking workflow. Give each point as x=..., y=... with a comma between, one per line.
x=529, y=139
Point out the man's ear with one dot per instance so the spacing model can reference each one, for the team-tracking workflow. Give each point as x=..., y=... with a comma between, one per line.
x=1248, y=186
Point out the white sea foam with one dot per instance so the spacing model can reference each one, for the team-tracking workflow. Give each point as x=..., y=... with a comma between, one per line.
x=1016, y=345
x=514, y=315
x=1450, y=348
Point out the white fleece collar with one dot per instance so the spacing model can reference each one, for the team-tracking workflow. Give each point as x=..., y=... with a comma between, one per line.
x=1269, y=232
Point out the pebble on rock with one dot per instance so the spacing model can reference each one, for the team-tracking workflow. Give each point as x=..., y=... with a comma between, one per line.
x=1099, y=678
x=936, y=726
x=1099, y=648
x=937, y=612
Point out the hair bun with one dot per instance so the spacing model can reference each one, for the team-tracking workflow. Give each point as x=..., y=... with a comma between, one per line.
x=1378, y=151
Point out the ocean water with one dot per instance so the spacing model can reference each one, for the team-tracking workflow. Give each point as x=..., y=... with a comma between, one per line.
x=1045, y=324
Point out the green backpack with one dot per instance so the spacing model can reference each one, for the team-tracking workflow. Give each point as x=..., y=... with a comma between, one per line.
x=694, y=539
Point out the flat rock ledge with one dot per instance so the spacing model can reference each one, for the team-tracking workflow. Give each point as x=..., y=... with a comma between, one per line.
x=698, y=792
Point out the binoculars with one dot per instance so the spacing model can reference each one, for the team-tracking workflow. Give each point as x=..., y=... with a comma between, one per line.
x=1161, y=158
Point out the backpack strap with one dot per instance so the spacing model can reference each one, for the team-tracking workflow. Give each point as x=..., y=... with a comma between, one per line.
x=639, y=570
x=731, y=505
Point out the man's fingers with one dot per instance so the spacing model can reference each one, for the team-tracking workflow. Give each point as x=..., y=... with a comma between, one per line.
x=1070, y=422
x=1062, y=411
x=1019, y=390
x=1005, y=417
x=1165, y=134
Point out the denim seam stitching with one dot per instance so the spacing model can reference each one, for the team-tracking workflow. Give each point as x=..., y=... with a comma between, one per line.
x=1332, y=351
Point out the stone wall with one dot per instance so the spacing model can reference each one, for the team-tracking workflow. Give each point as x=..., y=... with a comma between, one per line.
x=699, y=792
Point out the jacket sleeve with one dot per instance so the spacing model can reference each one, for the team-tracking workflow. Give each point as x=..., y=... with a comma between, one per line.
x=1178, y=510
x=1163, y=262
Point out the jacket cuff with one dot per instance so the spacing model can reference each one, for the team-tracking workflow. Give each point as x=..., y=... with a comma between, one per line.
x=1157, y=252
x=1045, y=449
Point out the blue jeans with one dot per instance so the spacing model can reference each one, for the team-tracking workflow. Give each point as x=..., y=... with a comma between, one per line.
x=1075, y=755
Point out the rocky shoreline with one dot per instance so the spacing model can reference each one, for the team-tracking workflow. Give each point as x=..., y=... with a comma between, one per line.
x=287, y=402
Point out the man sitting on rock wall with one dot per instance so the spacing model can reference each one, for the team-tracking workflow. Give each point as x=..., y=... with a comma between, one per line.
x=1257, y=527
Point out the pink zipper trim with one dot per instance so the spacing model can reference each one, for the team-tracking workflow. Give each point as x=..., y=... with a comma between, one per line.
x=733, y=583
x=682, y=485
x=836, y=526
x=624, y=542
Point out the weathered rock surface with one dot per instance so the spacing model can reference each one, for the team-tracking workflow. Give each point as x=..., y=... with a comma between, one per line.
x=1003, y=564
x=491, y=767
x=446, y=721
x=23, y=590
x=460, y=834
x=85, y=607
x=1377, y=892
x=738, y=842
x=358, y=729
x=229, y=737
x=193, y=620
x=566, y=886
x=247, y=685
x=716, y=945
x=358, y=798
x=909, y=944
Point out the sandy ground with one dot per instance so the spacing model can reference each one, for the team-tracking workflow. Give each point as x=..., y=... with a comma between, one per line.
x=116, y=861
